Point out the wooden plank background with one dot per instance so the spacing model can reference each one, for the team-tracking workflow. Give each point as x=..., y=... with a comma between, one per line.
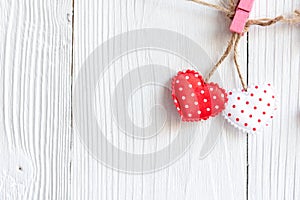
x=42, y=49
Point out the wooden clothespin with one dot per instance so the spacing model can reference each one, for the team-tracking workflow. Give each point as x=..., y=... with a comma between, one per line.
x=241, y=16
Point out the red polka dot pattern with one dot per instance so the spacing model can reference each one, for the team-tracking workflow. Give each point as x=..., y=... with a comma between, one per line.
x=251, y=110
x=195, y=99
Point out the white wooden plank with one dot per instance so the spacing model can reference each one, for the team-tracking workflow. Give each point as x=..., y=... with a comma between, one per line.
x=274, y=57
x=35, y=99
x=222, y=175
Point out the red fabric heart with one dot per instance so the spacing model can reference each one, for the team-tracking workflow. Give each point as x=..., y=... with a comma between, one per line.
x=194, y=99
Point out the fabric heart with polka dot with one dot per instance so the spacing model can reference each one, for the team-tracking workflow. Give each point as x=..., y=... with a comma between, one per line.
x=251, y=110
x=194, y=98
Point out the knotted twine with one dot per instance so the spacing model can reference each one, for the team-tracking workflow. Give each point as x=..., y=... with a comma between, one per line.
x=229, y=10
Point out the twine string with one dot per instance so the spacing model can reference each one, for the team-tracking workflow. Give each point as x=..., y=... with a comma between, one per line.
x=223, y=57
x=217, y=7
x=236, y=63
x=235, y=38
x=295, y=19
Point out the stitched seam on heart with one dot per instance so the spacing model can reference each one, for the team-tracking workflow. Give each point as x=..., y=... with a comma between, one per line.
x=249, y=130
x=222, y=90
x=268, y=120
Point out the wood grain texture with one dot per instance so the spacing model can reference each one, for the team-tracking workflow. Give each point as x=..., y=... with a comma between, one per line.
x=222, y=175
x=35, y=99
x=274, y=56
x=40, y=157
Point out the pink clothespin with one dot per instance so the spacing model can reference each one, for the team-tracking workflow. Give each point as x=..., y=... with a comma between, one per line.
x=241, y=16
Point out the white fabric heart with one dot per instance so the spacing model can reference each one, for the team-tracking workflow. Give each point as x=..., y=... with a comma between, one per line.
x=251, y=110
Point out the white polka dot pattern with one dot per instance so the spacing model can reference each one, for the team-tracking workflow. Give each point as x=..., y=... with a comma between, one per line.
x=194, y=99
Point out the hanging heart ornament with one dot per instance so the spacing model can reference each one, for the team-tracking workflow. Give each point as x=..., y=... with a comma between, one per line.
x=195, y=99
x=251, y=110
